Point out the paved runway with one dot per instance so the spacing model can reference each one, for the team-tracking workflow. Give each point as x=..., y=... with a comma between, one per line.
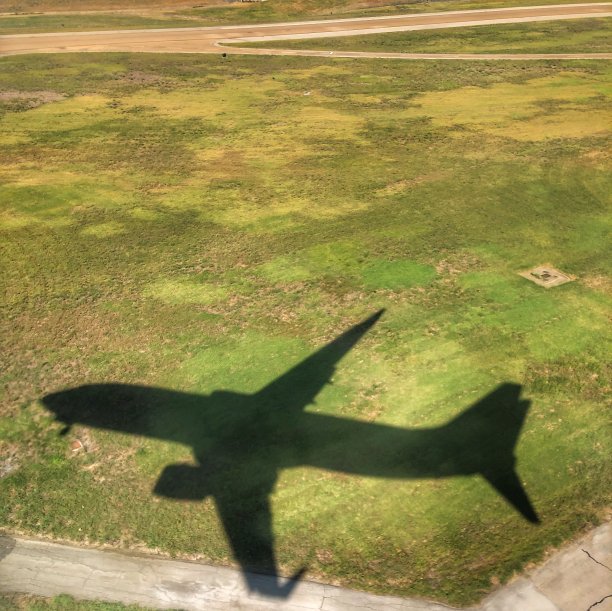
x=210, y=39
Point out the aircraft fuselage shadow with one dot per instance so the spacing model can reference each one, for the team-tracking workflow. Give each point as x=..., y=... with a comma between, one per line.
x=241, y=442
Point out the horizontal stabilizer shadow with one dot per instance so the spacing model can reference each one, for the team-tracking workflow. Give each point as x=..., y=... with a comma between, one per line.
x=490, y=430
x=240, y=443
x=509, y=486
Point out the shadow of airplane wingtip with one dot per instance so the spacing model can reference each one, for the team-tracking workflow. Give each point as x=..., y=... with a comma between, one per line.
x=273, y=586
x=530, y=514
x=375, y=316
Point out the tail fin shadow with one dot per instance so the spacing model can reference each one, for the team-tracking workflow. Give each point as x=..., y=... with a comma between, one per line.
x=489, y=431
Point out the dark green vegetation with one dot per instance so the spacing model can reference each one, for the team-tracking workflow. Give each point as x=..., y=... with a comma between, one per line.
x=252, y=12
x=59, y=603
x=198, y=224
x=577, y=36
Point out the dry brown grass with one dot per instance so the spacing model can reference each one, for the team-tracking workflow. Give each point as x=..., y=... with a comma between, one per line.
x=26, y=100
x=77, y=6
x=72, y=6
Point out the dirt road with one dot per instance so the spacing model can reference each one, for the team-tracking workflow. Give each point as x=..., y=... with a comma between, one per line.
x=211, y=39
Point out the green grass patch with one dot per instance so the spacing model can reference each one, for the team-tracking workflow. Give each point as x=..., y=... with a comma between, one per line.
x=63, y=602
x=577, y=36
x=176, y=291
x=199, y=223
x=397, y=274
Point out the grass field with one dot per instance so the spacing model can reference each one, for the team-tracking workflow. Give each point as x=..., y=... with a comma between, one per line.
x=143, y=14
x=578, y=36
x=59, y=603
x=199, y=223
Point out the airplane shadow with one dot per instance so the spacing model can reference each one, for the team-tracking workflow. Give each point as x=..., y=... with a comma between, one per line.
x=240, y=443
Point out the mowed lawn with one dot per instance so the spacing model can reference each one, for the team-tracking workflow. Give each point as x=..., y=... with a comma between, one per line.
x=198, y=223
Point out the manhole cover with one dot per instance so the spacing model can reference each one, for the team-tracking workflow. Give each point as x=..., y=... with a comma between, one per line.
x=546, y=275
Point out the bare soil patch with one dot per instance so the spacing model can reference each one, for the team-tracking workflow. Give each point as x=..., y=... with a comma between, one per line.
x=30, y=99
x=602, y=284
x=138, y=77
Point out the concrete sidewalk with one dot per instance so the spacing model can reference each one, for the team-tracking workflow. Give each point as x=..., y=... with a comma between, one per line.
x=575, y=579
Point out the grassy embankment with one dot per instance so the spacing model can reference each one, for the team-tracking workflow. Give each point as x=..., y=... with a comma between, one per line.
x=144, y=15
x=197, y=223
x=579, y=36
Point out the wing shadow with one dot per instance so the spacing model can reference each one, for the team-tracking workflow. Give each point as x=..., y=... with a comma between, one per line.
x=240, y=443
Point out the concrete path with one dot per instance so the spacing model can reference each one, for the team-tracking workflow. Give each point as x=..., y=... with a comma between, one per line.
x=578, y=578
x=208, y=40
